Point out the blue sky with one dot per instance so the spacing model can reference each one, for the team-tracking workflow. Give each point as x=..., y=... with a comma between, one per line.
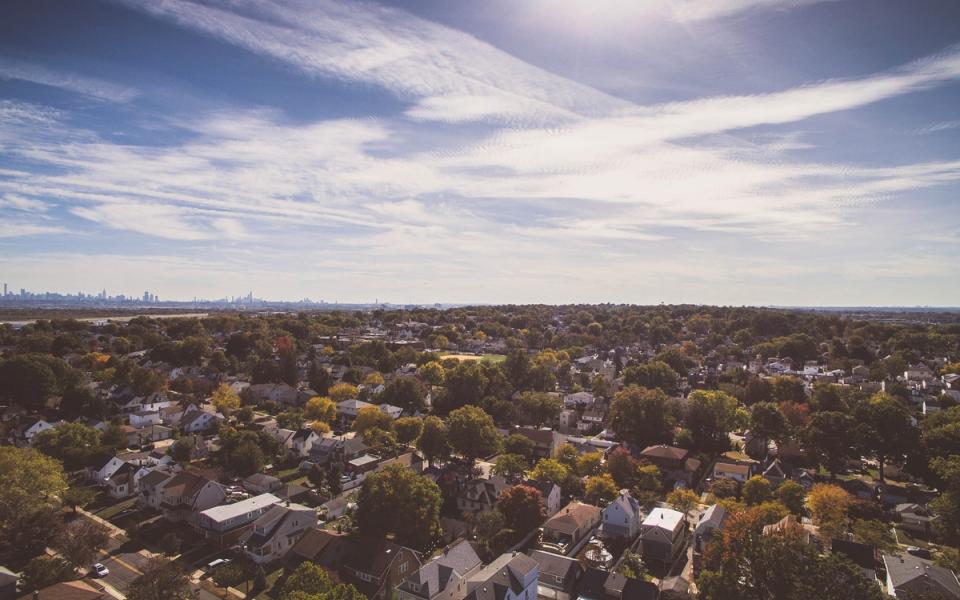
x=789, y=152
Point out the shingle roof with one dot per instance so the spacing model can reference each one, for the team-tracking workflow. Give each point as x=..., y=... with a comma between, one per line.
x=434, y=576
x=572, y=517
x=668, y=452
x=907, y=570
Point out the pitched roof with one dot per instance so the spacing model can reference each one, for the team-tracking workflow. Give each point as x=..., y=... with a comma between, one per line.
x=504, y=573
x=572, y=517
x=69, y=590
x=666, y=518
x=666, y=452
x=907, y=570
x=185, y=484
x=556, y=565
x=432, y=578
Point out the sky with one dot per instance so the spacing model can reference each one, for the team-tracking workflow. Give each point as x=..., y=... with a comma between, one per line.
x=734, y=152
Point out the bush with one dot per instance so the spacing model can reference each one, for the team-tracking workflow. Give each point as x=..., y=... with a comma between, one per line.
x=228, y=575
x=170, y=544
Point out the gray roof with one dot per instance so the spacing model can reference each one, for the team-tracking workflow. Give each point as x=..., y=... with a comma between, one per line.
x=434, y=576
x=916, y=574
x=229, y=511
x=493, y=581
x=554, y=564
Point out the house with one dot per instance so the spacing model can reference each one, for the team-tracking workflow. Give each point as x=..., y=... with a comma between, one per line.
x=347, y=411
x=444, y=577
x=579, y=400
x=551, y=492
x=570, y=526
x=374, y=566
x=409, y=460
x=391, y=411
x=591, y=421
x=335, y=508
x=150, y=485
x=261, y=483
x=185, y=495
x=29, y=429
x=596, y=584
x=909, y=576
x=557, y=572
x=622, y=517
x=775, y=473
x=567, y=420
x=809, y=533
x=122, y=484
x=276, y=531
x=864, y=489
x=142, y=418
x=302, y=441
x=737, y=472
x=662, y=535
x=892, y=494
x=280, y=393
x=481, y=494
x=546, y=442
x=199, y=421
x=711, y=521
x=78, y=589
x=104, y=468
x=512, y=576
x=362, y=464
x=225, y=524
x=676, y=464
x=916, y=518
x=918, y=372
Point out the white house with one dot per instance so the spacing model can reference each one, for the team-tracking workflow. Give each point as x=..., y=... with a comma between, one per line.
x=302, y=441
x=29, y=429
x=622, y=517
x=347, y=410
x=143, y=418
x=711, y=521
x=100, y=472
x=392, y=411
x=199, y=421
x=551, y=492
x=581, y=399
x=226, y=523
x=662, y=534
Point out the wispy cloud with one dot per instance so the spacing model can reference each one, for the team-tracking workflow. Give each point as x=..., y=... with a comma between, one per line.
x=72, y=82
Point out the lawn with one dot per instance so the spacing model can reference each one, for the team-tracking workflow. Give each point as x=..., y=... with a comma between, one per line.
x=113, y=510
x=494, y=358
x=905, y=538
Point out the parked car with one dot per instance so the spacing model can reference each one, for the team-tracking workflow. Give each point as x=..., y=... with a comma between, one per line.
x=217, y=563
x=919, y=552
x=99, y=570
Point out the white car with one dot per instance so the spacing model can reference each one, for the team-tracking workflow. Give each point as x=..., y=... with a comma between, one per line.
x=220, y=561
x=100, y=570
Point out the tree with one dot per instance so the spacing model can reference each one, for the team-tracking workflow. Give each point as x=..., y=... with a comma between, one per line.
x=887, y=430
x=711, y=416
x=656, y=374
x=684, y=500
x=432, y=372
x=745, y=563
x=31, y=485
x=632, y=566
x=225, y=399
x=79, y=497
x=622, y=467
x=466, y=384
x=71, y=443
x=472, y=433
x=487, y=525
x=827, y=437
x=433, y=440
x=875, y=533
x=343, y=391
x=182, y=449
x=228, y=575
x=767, y=422
x=408, y=429
x=170, y=543
x=246, y=459
x=550, y=470
x=756, y=490
x=80, y=540
x=947, y=505
x=519, y=444
x=537, y=408
x=589, y=463
x=599, y=489
x=44, y=571
x=405, y=392
x=320, y=408
x=27, y=380
x=397, y=500
x=723, y=487
x=311, y=582
x=371, y=417
x=828, y=505
x=522, y=507
x=792, y=495
x=642, y=416
x=161, y=580
x=511, y=466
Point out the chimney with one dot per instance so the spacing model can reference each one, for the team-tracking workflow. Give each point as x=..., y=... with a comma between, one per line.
x=36, y=594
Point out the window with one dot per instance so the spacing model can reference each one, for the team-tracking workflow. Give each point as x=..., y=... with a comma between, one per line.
x=404, y=566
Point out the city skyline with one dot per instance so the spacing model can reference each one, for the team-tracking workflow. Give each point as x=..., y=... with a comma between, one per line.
x=736, y=152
